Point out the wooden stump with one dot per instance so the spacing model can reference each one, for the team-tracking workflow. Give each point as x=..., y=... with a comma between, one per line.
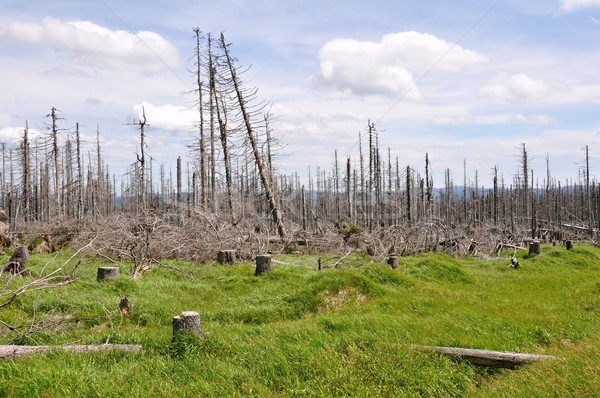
x=226, y=257
x=17, y=263
x=263, y=265
x=105, y=273
x=188, y=322
x=534, y=247
x=393, y=262
x=569, y=244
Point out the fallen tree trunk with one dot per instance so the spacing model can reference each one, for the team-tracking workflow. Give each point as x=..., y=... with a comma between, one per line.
x=493, y=359
x=18, y=351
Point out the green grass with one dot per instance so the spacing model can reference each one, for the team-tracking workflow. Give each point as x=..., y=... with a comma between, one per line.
x=347, y=331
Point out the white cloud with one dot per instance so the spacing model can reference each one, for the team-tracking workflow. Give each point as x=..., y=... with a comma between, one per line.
x=387, y=67
x=13, y=135
x=92, y=44
x=171, y=118
x=491, y=120
x=572, y=5
x=520, y=88
x=535, y=119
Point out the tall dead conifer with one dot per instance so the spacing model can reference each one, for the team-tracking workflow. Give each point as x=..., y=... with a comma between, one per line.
x=265, y=176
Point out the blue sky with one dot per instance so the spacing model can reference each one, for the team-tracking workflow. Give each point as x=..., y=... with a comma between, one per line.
x=457, y=80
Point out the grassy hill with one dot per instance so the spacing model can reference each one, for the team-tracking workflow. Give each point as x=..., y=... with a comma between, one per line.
x=297, y=331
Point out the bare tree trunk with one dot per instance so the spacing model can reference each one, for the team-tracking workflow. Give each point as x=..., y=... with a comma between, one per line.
x=213, y=164
x=141, y=159
x=55, y=153
x=201, y=143
x=25, y=153
x=100, y=172
x=348, y=190
x=265, y=177
x=222, y=118
x=79, y=174
x=179, y=198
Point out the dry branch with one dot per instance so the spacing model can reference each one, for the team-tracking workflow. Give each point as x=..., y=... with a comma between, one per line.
x=18, y=351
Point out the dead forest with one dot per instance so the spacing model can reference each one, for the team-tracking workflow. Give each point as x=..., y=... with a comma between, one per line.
x=229, y=195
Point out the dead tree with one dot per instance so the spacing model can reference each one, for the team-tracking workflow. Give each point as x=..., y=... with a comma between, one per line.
x=56, y=156
x=141, y=160
x=201, y=139
x=265, y=176
x=26, y=172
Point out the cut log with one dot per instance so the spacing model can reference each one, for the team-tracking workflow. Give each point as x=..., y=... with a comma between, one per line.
x=226, y=257
x=18, y=351
x=263, y=265
x=393, y=262
x=493, y=359
x=188, y=322
x=105, y=273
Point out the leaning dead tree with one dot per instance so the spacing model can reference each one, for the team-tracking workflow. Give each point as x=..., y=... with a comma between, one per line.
x=265, y=175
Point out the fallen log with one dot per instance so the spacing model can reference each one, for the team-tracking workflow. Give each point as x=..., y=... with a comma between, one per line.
x=493, y=359
x=18, y=351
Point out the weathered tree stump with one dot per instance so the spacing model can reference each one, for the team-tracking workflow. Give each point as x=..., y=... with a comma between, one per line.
x=188, y=322
x=534, y=247
x=126, y=306
x=569, y=244
x=226, y=257
x=17, y=263
x=393, y=262
x=105, y=273
x=263, y=265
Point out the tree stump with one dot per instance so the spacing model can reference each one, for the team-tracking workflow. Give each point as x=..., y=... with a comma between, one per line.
x=126, y=306
x=569, y=244
x=105, y=273
x=226, y=257
x=188, y=322
x=534, y=247
x=263, y=265
x=393, y=262
x=17, y=263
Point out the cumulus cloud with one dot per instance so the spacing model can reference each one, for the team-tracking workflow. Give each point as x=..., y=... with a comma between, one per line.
x=572, y=5
x=519, y=88
x=94, y=44
x=388, y=67
x=173, y=118
x=13, y=135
